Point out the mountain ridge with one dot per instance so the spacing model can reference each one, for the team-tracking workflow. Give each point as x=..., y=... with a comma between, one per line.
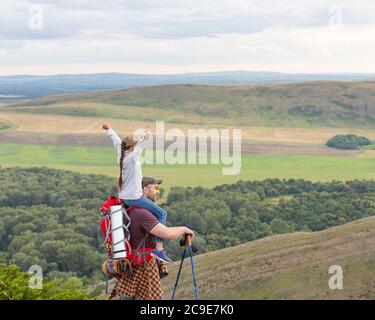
x=34, y=86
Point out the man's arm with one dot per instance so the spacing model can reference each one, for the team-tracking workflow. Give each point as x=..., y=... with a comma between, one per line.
x=116, y=140
x=170, y=233
x=150, y=224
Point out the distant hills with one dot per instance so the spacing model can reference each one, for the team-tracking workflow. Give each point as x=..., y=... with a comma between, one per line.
x=30, y=86
x=303, y=104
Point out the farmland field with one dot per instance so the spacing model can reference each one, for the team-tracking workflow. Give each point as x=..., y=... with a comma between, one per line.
x=102, y=160
x=60, y=124
x=284, y=129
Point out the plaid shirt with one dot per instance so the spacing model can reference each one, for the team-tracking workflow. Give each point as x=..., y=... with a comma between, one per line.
x=143, y=284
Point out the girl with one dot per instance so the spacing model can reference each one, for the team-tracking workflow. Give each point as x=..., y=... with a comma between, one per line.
x=130, y=181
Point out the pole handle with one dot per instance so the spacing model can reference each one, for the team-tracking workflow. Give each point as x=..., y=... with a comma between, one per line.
x=187, y=241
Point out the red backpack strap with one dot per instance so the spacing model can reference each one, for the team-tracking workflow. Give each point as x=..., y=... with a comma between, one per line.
x=140, y=254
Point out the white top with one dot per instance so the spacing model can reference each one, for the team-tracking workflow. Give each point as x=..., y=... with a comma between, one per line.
x=131, y=188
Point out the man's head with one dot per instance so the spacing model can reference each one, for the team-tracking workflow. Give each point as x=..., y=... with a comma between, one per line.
x=150, y=187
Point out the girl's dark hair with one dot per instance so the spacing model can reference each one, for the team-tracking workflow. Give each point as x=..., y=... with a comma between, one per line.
x=126, y=144
x=123, y=149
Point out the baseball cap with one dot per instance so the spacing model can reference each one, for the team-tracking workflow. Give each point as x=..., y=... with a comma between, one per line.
x=150, y=180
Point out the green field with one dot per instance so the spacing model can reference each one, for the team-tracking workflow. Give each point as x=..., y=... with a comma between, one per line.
x=256, y=166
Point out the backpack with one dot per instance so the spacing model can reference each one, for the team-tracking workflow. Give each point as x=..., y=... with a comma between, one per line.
x=133, y=257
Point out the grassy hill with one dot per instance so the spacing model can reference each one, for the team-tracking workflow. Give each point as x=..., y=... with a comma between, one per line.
x=319, y=104
x=34, y=86
x=290, y=266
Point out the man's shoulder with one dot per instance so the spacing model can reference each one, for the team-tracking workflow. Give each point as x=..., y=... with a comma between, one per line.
x=139, y=211
x=143, y=218
x=136, y=209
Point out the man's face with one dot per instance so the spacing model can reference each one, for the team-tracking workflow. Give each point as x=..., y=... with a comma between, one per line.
x=151, y=191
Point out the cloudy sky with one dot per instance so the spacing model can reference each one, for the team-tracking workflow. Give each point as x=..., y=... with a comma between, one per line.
x=165, y=36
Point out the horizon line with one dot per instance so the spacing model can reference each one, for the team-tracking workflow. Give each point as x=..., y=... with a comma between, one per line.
x=188, y=73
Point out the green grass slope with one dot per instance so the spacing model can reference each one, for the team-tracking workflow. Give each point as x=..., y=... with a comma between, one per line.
x=320, y=104
x=290, y=266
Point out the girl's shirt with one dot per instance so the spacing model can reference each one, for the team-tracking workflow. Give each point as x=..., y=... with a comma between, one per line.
x=131, y=188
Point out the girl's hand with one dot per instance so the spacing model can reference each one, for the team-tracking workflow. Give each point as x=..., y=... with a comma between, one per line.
x=147, y=130
x=106, y=126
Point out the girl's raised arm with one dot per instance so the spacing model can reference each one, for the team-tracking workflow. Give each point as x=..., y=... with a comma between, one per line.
x=116, y=140
x=141, y=145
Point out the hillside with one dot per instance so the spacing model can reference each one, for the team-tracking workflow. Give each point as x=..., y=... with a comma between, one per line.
x=291, y=266
x=308, y=104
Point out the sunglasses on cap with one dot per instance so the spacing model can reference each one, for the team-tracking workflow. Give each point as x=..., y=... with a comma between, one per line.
x=156, y=186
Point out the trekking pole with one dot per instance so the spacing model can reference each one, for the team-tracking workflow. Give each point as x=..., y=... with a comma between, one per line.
x=188, y=243
x=178, y=274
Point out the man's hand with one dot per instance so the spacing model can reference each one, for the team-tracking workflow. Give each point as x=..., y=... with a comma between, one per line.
x=106, y=126
x=190, y=233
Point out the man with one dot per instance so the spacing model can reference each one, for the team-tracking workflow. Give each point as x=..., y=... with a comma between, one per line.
x=151, y=191
x=144, y=281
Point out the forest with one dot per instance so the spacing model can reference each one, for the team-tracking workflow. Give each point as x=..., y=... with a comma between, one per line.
x=49, y=217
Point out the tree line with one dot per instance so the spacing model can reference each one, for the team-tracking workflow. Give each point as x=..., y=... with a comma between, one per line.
x=15, y=285
x=50, y=217
x=228, y=215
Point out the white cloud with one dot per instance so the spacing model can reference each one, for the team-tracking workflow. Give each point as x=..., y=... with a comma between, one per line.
x=165, y=36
